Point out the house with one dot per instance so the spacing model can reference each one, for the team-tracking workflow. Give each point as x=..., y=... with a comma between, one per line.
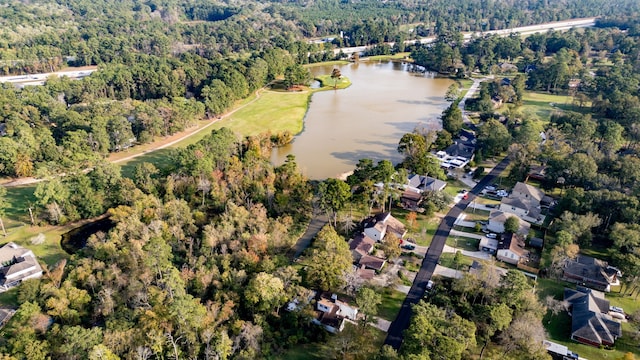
x=376, y=227
x=488, y=245
x=591, y=272
x=559, y=352
x=525, y=202
x=590, y=323
x=360, y=246
x=538, y=172
x=511, y=249
x=507, y=67
x=372, y=262
x=332, y=312
x=498, y=218
x=5, y=316
x=364, y=273
x=425, y=183
x=411, y=199
x=16, y=265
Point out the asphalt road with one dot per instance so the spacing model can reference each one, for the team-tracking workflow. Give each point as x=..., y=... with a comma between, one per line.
x=395, y=333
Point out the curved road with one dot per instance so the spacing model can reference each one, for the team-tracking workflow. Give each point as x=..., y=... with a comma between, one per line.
x=395, y=334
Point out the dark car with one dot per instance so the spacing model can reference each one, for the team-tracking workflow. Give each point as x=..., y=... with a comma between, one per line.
x=408, y=246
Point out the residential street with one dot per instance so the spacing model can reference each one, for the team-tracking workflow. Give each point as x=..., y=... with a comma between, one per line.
x=395, y=334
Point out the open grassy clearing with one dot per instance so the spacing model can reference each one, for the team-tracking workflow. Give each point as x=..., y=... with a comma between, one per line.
x=272, y=111
x=398, y=56
x=541, y=106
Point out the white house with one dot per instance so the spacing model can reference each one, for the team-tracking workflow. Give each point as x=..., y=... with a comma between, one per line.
x=331, y=313
x=511, y=249
x=379, y=225
x=16, y=265
x=525, y=203
x=498, y=218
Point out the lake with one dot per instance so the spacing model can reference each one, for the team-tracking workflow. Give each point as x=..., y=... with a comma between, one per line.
x=366, y=120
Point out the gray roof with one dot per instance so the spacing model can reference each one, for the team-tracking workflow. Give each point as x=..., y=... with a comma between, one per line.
x=426, y=183
x=592, y=269
x=587, y=320
x=531, y=191
x=460, y=148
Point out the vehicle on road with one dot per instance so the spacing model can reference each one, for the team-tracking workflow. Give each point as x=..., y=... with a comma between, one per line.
x=492, y=235
x=465, y=196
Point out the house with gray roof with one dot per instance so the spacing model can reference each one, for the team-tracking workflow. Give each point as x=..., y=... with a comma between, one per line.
x=425, y=183
x=590, y=323
x=378, y=226
x=16, y=265
x=591, y=272
x=525, y=201
x=498, y=218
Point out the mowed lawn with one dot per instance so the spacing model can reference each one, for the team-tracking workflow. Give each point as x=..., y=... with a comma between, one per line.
x=273, y=111
x=541, y=106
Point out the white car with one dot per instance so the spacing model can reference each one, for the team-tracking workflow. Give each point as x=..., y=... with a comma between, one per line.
x=490, y=188
x=429, y=285
x=492, y=235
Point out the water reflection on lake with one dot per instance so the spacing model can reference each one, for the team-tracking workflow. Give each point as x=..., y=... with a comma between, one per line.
x=366, y=120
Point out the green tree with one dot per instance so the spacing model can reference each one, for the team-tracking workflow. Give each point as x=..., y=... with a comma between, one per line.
x=368, y=301
x=3, y=206
x=329, y=260
x=265, y=292
x=334, y=195
x=335, y=75
x=494, y=137
x=453, y=92
x=452, y=119
x=512, y=225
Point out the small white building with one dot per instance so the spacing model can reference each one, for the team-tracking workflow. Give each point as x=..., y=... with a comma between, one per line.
x=16, y=265
x=332, y=312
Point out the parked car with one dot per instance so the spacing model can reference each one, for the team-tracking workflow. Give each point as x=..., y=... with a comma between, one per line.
x=492, y=206
x=408, y=246
x=462, y=191
x=411, y=240
x=502, y=193
x=430, y=285
x=481, y=222
x=492, y=235
x=616, y=309
x=465, y=196
x=490, y=188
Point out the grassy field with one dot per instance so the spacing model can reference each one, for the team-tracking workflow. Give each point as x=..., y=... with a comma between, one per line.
x=446, y=260
x=272, y=111
x=398, y=56
x=542, y=105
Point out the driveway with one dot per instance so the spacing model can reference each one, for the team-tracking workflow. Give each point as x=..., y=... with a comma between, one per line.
x=466, y=234
x=447, y=272
x=481, y=255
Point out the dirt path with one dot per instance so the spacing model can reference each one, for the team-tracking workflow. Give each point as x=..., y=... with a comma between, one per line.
x=151, y=147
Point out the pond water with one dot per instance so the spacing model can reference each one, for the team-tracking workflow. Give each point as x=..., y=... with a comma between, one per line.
x=366, y=120
x=76, y=239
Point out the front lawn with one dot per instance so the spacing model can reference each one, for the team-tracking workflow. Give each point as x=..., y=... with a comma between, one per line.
x=391, y=303
x=446, y=260
x=463, y=243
